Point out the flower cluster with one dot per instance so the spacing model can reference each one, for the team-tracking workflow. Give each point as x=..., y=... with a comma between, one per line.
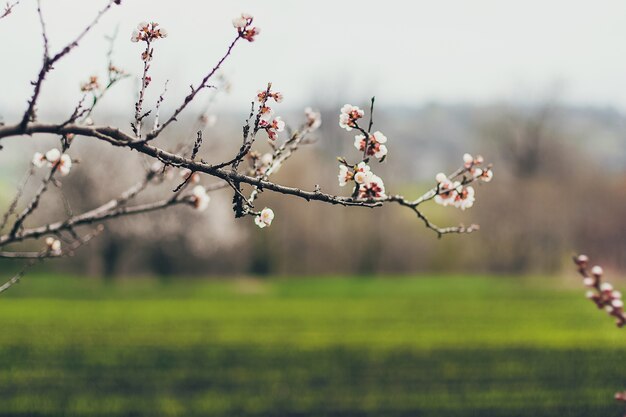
x=457, y=193
x=91, y=85
x=373, y=143
x=453, y=193
x=53, y=245
x=271, y=126
x=358, y=173
x=265, y=217
x=369, y=185
x=472, y=165
x=264, y=95
x=199, y=198
x=53, y=159
x=601, y=293
x=349, y=115
x=242, y=24
x=148, y=32
x=313, y=119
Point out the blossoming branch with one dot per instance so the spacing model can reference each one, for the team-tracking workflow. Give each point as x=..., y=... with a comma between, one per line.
x=247, y=174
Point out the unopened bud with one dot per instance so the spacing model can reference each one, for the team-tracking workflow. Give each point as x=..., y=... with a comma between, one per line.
x=597, y=271
x=581, y=260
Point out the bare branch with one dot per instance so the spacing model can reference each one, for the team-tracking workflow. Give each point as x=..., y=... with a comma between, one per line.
x=48, y=61
x=194, y=91
x=8, y=9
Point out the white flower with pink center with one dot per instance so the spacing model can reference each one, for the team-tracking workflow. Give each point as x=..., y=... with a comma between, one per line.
x=266, y=113
x=39, y=159
x=272, y=128
x=264, y=219
x=64, y=165
x=375, y=145
x=446, y=190
x=360, y=173
x=464, y=198
x=345, y=175
x=349, y=115
x=373, y=187
x=52, y=156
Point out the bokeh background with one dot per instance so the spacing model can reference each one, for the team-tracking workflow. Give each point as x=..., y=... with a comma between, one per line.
x=332, y=311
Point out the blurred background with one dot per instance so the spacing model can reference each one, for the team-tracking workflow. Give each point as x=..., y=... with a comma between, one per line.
x=331, y=311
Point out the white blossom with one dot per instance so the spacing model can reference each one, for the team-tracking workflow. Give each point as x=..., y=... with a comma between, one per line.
x=345, y=175
x=39, y=159
x=148, y=32
x=266, y=113
x=240, y=22
x=65, y=165
x=52, y=156
x=265, y=218
x=375, y=145
x=486, y=175
x=54, y=245
x=597, y=270
x=606, y=287
x=267, y=159
x=464, y=198
x=373, y=187
x=313, y=119
x=447, y=191
x=200, y=198
x=360, y=174
x=349, y=115
x=278, y=124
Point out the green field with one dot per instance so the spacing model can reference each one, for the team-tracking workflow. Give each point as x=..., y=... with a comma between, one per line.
x=426, y=346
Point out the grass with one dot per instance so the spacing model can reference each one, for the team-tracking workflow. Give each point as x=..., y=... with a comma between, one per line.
x=427, y=346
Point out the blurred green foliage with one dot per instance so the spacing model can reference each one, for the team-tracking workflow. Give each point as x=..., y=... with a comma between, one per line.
x=422, y=346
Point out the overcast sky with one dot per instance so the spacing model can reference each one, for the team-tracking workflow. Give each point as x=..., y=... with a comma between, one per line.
x=404, y=52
